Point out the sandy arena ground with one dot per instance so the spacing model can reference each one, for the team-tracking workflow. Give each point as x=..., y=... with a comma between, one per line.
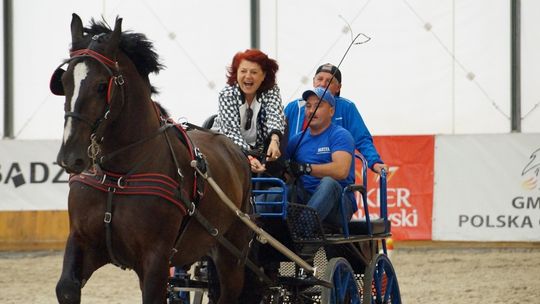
x=425, y=274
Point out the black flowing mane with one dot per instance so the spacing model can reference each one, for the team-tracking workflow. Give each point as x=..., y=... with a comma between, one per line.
x=135, y=45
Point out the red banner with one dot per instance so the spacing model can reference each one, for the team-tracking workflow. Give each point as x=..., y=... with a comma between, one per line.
x=409, y=185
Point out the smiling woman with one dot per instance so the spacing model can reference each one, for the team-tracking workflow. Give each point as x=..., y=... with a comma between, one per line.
x=250, y=109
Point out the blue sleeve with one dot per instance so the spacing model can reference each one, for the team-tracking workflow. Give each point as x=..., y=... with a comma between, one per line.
x=295, y=117
x=362, y=138
x=289, y=108
x=342, y=140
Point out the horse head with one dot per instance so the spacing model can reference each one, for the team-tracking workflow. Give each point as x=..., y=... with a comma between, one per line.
x=90, y=84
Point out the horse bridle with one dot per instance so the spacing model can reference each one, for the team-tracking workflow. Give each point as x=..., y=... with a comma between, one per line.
x=116, y=79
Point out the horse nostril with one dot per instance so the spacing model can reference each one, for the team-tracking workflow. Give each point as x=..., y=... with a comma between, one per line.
x=77, y=166
x=79, y=163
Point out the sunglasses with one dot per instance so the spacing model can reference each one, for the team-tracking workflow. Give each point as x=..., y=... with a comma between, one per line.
x=249, y=117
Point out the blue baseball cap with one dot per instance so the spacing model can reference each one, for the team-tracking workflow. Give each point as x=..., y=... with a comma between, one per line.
x=320, y=92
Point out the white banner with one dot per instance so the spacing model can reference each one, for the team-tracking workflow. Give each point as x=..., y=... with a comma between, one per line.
x=30, y=179
x=487, y=188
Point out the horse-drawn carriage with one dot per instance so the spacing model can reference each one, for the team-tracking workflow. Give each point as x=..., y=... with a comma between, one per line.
x=147, y=194
x=348, y=264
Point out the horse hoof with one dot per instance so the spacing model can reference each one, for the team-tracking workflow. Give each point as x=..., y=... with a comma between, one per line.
x=68, y=292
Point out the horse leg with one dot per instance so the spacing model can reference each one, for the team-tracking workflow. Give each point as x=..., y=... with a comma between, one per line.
x=230, y=270
x=231, y=276
x=77, y=268
x=153, y=279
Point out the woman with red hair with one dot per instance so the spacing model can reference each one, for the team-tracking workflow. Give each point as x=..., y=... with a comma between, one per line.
x=250, y=110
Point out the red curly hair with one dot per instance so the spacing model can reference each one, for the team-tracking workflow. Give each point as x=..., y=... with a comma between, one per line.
x=268, y=65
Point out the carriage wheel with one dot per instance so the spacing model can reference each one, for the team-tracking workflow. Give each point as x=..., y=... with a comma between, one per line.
x=345, y=290
x=381, y=279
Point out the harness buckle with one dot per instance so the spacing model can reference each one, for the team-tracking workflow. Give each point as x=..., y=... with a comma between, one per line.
x=119, y=80
x=108, y=217
x=191, y=210
x=120, y=184
x=183, y=122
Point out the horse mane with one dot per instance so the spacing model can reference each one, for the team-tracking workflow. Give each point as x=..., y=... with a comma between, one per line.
x=162, y=111
x=136, y=46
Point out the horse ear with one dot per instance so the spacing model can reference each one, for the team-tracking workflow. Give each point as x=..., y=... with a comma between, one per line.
x=114, y=42
x=76, y=28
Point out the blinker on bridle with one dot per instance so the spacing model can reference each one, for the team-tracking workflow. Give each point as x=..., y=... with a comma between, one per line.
x=111, y=66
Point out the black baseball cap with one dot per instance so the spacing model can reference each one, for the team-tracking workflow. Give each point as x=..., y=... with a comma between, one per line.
x=330, y=68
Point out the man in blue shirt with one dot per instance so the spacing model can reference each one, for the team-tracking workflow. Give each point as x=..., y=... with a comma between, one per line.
x=346, y=115
x=323, y=157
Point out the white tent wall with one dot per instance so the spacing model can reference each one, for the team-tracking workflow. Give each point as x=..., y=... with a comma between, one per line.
x=431, y=67
x=530, y=66
x=194, y=42
x=482, y=67
x=2, y=69
x=415, y=75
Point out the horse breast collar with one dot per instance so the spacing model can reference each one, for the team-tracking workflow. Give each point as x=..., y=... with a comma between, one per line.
x=152, y=184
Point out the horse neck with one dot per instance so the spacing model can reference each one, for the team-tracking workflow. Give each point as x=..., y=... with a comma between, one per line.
x=138, y=118
x=135, y=120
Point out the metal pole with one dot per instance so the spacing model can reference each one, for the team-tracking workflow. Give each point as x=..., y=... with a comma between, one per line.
x=516, y=65
x=8, y=69
x=255, y=24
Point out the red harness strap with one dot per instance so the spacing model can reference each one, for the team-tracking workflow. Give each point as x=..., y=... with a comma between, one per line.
x=184, y=137
x=152, y=184
x=88, y=52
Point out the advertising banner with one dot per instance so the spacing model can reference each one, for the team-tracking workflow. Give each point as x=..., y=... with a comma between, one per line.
x=30, y=179
x=487, y=188
x=409, y=185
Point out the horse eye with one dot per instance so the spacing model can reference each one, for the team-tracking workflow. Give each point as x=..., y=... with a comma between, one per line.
x=102, y=88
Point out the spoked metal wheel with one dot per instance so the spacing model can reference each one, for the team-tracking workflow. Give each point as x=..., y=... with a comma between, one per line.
x=380, y=282
x=345, y=290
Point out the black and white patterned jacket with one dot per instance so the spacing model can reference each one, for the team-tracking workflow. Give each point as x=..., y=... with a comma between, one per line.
x=270, y=120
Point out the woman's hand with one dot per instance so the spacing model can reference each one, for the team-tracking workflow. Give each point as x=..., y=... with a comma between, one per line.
x=273, y=152
x=256, y=166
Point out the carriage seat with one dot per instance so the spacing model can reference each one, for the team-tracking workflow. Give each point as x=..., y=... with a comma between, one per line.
x=360, y=227
x=209, y=122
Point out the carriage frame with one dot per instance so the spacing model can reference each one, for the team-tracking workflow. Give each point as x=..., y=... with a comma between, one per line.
x=350, y=264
